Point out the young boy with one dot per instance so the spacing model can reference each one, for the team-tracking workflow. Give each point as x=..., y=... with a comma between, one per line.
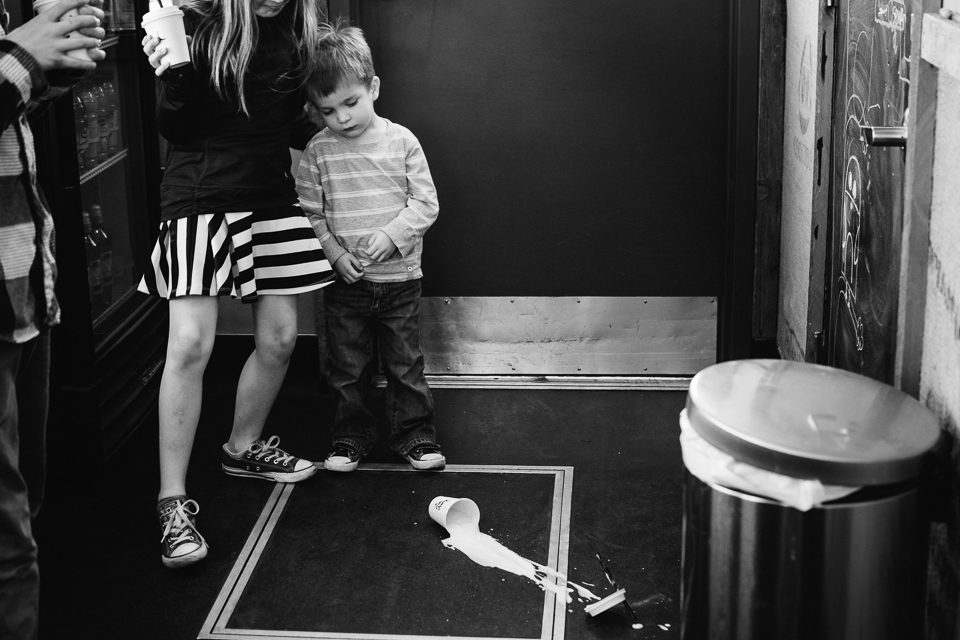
x=365, y=185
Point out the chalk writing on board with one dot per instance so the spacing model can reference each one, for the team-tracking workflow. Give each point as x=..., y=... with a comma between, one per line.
x=891, y=14
x=870, y=188
x=850, y=246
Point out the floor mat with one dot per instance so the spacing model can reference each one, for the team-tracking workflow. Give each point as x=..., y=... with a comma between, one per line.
x=356, y=555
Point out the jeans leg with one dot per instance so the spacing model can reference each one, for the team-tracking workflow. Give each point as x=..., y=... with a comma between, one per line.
x=33, y=398
x=349, y=362
x=24, y=388
x=409, y=402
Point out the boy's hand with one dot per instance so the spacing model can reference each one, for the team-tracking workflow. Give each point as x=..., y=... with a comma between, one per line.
x=349, y=268
x=380, y=247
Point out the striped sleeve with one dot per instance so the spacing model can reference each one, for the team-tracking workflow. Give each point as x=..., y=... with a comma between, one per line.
x=422, y=204
x=21, y=82
x=310, y=192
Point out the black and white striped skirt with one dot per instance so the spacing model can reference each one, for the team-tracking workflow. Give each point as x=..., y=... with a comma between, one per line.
x=247, y=254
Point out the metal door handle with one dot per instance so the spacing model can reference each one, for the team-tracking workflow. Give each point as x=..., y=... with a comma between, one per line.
x=885, y=136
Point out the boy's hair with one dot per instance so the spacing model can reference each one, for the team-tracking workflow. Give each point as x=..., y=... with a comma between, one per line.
x=342, y=57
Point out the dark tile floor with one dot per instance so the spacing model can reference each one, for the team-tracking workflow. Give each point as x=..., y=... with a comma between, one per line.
x=102, y=577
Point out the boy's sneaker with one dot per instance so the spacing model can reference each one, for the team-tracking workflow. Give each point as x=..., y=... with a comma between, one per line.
x=342, y=457
x=426, y=456
x=264, y=459
x=180, y=542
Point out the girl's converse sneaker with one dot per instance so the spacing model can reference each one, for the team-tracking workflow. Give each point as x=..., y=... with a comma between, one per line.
x=426, y=456
x=180, y=542
x=264, y=459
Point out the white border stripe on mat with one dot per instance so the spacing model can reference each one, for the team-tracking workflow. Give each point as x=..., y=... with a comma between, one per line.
x=552, y=626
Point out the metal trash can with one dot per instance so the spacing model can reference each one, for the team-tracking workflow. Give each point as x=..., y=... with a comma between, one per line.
x=755, y=568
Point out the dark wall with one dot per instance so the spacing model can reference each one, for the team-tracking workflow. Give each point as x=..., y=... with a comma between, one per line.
x=578, y=148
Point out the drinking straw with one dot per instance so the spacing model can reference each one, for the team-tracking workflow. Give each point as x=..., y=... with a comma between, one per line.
x=613, y=583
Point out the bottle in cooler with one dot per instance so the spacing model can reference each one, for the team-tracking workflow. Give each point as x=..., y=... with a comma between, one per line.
x=105, y=247
x=103, y=121
x=93, y=129
x=80, y=123
x=94, y=281
x=113, y=108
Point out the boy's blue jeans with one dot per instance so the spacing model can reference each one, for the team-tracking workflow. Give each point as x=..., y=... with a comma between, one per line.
x=388, y=312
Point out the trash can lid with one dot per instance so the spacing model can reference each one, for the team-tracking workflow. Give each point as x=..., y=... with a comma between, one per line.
x=810, y=421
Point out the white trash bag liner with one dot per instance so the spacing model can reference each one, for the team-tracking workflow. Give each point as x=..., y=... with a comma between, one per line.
x=712, y=465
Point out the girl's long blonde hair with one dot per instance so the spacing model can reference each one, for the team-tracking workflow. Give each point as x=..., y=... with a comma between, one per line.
x=227, y=35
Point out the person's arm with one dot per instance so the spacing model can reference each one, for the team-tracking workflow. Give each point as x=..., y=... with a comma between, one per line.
x=174, y=102
x=310, y=192
x=21, y=82
x=178, y=86
x=422, y=204
x=34, y=65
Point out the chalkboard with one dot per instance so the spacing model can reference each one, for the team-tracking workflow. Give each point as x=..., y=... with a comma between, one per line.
x=579, y=148
x=867, y=201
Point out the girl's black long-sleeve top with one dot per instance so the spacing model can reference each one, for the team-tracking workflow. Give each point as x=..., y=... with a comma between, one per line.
x=220, y=159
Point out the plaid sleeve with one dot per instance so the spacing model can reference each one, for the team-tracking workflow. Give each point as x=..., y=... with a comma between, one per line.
x=22, y=82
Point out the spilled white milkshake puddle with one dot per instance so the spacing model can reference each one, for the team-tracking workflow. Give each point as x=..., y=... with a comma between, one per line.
x=460, y=516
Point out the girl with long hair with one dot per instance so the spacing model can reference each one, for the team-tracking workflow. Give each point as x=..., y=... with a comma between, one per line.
x=230, y=224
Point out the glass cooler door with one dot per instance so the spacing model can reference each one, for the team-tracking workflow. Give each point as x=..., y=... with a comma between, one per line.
x=93, y=147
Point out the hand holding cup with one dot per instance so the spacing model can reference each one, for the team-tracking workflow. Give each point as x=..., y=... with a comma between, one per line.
x=166, y=43
x=94, y=8
x=62, y=38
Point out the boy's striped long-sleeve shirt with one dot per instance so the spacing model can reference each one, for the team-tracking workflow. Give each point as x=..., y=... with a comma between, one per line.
x=27, y=266
x=349, y=190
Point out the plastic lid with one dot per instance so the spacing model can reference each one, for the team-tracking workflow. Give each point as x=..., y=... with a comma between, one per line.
x=810, y=421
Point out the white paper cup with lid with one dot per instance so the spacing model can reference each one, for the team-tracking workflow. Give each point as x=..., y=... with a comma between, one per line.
x=39, y=6
x=166, y=23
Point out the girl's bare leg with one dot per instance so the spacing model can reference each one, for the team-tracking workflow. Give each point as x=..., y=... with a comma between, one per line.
x=193, y=327
x=275, y=334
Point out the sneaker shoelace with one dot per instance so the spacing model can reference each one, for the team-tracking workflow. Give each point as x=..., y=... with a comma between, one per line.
x=269, y=450
x=178, y=525
x=422, y=450
x=344, y=451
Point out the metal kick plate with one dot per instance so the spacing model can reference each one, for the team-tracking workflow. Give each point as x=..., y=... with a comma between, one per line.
x=568, y=335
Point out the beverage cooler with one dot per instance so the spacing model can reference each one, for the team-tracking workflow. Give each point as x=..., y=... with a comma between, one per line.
x=98, y=155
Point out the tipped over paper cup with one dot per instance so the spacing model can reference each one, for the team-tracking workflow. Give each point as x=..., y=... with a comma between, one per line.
x=39, y=6
x=611, y=600
x=455, y=513
x=166, y=24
